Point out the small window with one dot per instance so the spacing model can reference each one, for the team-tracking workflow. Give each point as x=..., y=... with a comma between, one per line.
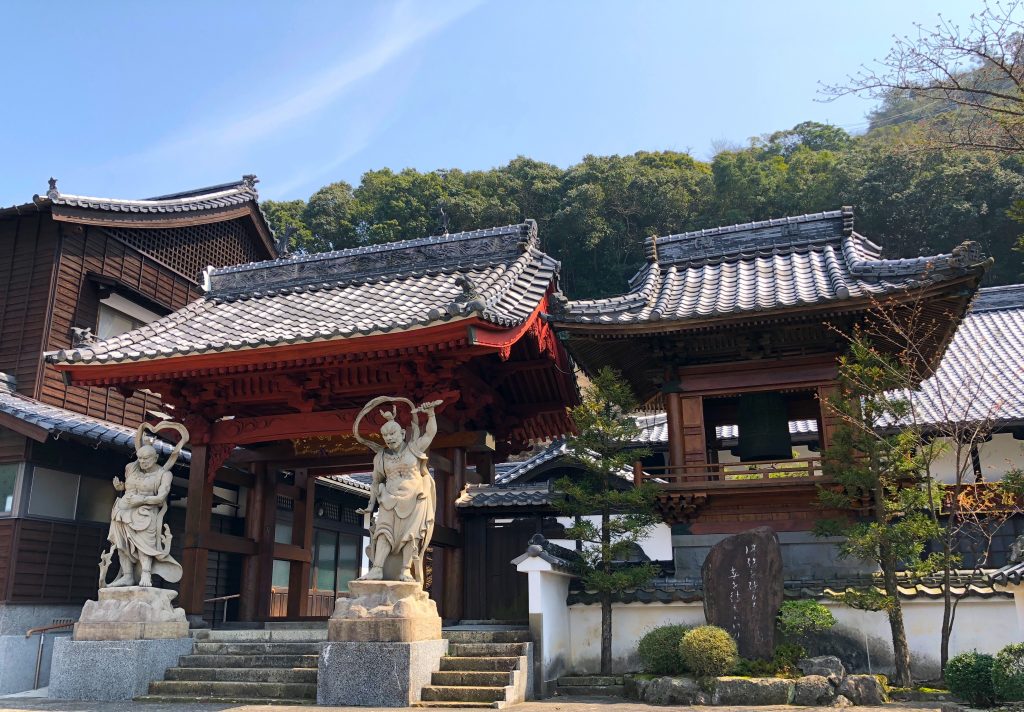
x=281, y=572
x=118, y=315
x=8, y=487
x=53, y=494
x=95, y=499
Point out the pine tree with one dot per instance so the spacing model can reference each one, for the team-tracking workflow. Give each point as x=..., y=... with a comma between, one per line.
x=624, y=513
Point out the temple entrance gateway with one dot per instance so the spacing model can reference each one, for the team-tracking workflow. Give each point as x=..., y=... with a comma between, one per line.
x=271, y=366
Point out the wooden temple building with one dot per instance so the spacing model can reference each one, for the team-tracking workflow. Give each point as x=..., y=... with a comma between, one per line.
x=267, y=358
x=270, y=366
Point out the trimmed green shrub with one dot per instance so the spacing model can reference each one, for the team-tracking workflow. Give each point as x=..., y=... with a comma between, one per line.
x=969, y=676
x=800, y=619
x=659, y=650
x=786, y=657
x=1008, y=673
x=709, y=651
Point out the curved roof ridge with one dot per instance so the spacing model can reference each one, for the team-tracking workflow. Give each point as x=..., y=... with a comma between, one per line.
x=527, y=229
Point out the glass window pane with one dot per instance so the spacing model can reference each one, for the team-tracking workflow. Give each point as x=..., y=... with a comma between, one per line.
x=283, y=532
x=281, y=571
x=348, y=560
x=8, y=482
x=95, y=498
x=326, y=548
x=113, y=323
x=53, y=494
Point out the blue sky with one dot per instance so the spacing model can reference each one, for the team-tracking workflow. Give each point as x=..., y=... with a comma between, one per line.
x=136, y=99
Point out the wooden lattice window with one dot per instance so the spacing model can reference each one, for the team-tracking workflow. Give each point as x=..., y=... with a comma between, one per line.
x=189, y=250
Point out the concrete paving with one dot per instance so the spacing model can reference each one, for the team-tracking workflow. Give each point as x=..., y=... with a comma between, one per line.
x=557, y=704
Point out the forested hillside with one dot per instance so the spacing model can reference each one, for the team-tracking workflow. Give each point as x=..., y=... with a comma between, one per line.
x=595, y=215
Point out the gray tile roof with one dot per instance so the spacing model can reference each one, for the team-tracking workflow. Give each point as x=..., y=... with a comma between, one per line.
x=669, y=590
x=499, y=275
x=527, y=495
x=760, y=267
x=1012, y=573
x=359, y=484
x=59, y=422
x=981, y=374
x=218, y=196
x=558, y=450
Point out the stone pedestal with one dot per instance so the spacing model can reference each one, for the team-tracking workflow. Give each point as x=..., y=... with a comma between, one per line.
x=384, y=644
x=111, y=669
x=384, y=612
x=132, y=613
x=375, y=674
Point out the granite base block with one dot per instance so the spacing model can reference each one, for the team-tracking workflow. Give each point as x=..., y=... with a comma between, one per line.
x=111, y=669
x=377, y=674
x=18, y=661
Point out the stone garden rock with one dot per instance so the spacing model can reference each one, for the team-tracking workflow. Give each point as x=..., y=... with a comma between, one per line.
x=842, y=701
x=742, y=577
x=675, y=691
x=813, y=691
x=864, y=690
x=753, y=691
x=827, y=665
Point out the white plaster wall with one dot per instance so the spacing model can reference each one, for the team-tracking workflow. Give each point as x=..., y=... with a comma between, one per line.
x=657, y=544
x=998, y=455
x=630, y=621
x=983, y=624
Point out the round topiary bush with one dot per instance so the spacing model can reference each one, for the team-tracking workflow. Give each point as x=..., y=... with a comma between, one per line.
x=659, y=650
x=1008, y=673
x=708, y=651
x=969, y=676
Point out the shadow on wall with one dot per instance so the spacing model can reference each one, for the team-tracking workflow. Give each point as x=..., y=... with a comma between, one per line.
x=862, y=653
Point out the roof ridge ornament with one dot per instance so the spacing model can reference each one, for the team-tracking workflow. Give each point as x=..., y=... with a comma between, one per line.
x=249, y=180
x=52, y=193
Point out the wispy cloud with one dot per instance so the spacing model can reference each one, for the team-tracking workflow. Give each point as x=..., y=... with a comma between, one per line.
x=405, y=27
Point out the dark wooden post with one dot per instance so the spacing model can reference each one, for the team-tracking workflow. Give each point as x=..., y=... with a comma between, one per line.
x=248, y=604
x=197, y=526
x=674, y=411
x=453, y=566
x=302, y=536
x=265, y=551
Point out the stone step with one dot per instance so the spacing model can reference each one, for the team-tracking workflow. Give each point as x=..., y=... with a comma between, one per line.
x=490, y=650
x=458, y=705
x=237, y=674
x=474, y=678
x=487, y=636
x=186, y=699
x=266, y=648
x=462, y=693
x=249, y=661
x=249, y=690
x=284, y=635
x=478, y=663
x=588, y=680
x=592, y=690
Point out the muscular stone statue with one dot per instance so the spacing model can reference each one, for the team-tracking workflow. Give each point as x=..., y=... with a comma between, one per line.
x=403, y=493
x=137, y=530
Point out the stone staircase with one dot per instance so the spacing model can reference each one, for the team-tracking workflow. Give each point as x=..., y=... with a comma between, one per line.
x=486, y=666
x=277, y=665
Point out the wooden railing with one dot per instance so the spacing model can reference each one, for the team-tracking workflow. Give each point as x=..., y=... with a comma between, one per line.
x=732, y=474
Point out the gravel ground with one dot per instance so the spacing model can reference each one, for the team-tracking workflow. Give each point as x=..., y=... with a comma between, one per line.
x=558, y=704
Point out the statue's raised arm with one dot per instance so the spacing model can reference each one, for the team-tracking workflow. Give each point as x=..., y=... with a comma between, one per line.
x=422, y=442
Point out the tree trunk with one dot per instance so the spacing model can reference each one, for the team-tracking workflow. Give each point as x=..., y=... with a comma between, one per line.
x=606, y=597
x=947, y=612
x=900, y=648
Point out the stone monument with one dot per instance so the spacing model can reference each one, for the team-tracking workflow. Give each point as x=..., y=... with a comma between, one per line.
x=133, y=633
x=388, y=622
x=743, y=589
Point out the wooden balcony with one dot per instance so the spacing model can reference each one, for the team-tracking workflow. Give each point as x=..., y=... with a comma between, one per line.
x=757, y=492
x=729, y=475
